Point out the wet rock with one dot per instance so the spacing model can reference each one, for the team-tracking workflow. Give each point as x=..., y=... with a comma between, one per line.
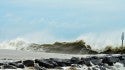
x=102, y=68
x=96, y=61
x=18, y=65
x=66, y=62
x=1, y=64
x=121, y=58
x=6, y=66
x=37, y=67
x=28, y=63
x=53, y=61
x=61, y=62
x=44, y=63
x=74, y=60
x=81, y=62
x=110, y=60
x=18, y=62
x=94, y=68
x=86, y=61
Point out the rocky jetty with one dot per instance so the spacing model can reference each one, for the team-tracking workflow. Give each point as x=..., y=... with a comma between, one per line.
x=91, y=63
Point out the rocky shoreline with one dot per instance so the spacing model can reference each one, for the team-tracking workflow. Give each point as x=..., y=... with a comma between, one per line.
x=91, y=63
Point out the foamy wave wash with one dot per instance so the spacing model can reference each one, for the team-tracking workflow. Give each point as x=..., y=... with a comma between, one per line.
x=16, y=44
x=101, y=40
x=95, y=40
x=117, y=66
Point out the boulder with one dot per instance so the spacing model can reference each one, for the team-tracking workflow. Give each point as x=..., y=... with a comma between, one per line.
x=18, y=62
x=74, y=60
x=85, y=61
x=96, y=61
x=37, y=67
x=28, y=63
x=44, y=63
x=6, y=66
x=61, y=62
x=121, y=57
x=1, y=64
x=18, y=65
x=110, y=60
x=102, y=68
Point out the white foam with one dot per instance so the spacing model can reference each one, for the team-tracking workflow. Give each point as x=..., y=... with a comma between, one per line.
x=101, y=40
x=117, y=66
x=15, y=44
x=95, y=40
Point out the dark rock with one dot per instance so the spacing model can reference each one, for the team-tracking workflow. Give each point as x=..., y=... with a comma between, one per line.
x=74, y=60
x=89, y=68
x=28, y=63
x=44, y=63
x=37, y=67
x=81, y=62
x=85, y=61
x=20, y=65
x=61, y=62
x=121, y=58
x=96, y=61
x=53, y=61
x=94, y=57
x=102, y=68
x=18, y=62
x=110, y=60
x=1, y=64
x=94, y=68
x=6, y=66
x=66, y=62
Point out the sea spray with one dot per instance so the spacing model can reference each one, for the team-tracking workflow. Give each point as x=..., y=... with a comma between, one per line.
x=101, y=40
x=76, y=47
x=16, y=44
x=117, y=66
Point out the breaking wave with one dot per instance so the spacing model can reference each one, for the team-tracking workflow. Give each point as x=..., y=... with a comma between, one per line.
x=95, y=40
x=15, y=44
x=101, y=40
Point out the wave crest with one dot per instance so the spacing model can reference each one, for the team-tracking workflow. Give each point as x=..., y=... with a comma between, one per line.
x=16, y=44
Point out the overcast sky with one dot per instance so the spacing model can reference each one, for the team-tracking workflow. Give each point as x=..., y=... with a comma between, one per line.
x=49, y=20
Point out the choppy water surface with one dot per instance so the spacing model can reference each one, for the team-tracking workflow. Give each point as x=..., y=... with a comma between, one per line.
x=7, y=55
x=13, y=55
